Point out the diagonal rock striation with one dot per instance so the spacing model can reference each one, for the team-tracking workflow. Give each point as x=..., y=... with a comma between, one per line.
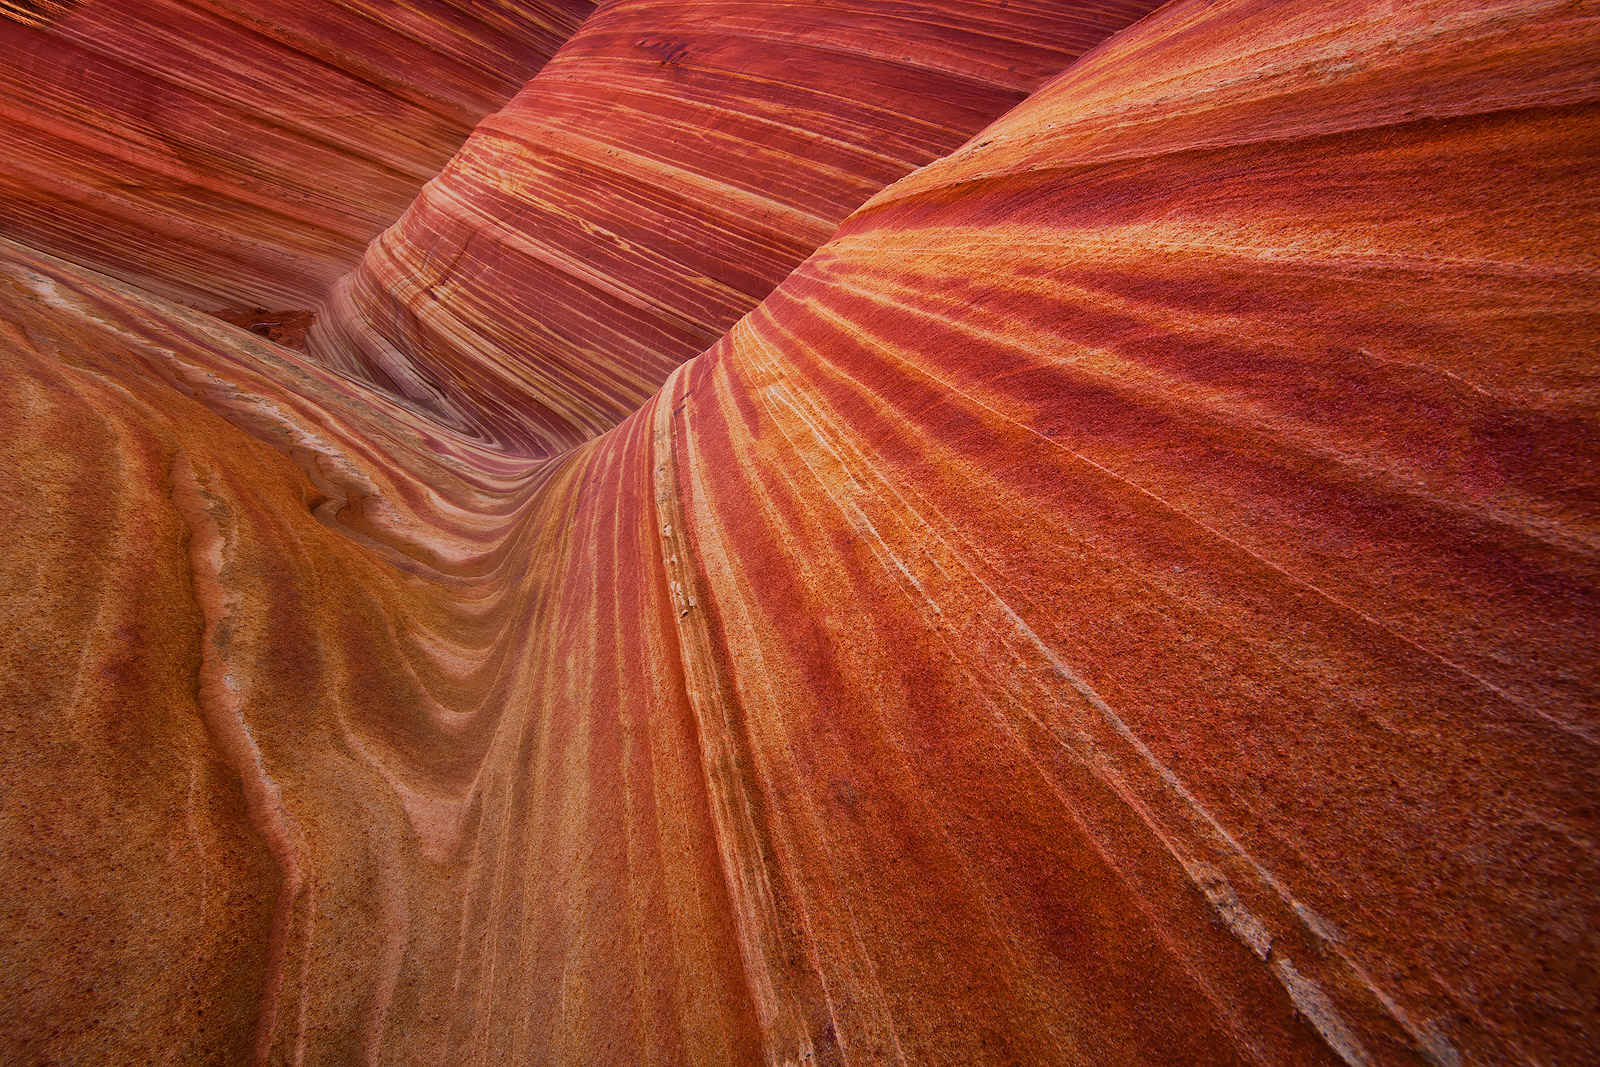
x=671, y=164
x=228, y=153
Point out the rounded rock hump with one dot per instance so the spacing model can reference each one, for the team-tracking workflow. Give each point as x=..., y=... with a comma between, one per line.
x=664, y=171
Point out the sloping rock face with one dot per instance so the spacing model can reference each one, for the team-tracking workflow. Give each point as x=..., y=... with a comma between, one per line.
x=229, y=153
x=670, y=166
x=1127, y=598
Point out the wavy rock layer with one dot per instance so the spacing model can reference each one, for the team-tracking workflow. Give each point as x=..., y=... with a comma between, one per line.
x=670, y=166
x=238, y=152
x=1129, y=598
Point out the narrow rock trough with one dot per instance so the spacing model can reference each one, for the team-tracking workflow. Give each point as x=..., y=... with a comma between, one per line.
x=886, y=531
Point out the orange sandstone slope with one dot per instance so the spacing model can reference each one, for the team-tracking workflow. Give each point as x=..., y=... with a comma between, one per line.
x=1128, y=598
x=236, y=152
x=672, y=163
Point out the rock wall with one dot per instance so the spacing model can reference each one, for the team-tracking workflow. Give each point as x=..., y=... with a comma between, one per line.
x=1127, y=598
x=668, y=168
x=229, y=153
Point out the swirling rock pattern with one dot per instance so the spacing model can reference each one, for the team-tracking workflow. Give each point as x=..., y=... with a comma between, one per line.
x=671, y=165
x=1127, y=598
x=237, y=152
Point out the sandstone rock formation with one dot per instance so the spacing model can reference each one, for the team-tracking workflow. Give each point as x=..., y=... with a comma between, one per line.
x=238, y=152
x=1127, y=596
x=670, y=166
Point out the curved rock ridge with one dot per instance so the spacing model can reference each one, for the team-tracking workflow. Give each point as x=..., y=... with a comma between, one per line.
x=670, y=166
x=1211, y=444
x=228, y=153
x=1127, y=598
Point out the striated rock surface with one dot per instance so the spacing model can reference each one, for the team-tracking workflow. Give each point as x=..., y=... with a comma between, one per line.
x=237, y=152
x=671, y=165
x=1127, y=598
x=284, y=327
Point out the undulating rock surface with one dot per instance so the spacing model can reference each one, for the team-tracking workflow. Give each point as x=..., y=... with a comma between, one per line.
x=1129, y=597
x=237, y=152
x=670, y=166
